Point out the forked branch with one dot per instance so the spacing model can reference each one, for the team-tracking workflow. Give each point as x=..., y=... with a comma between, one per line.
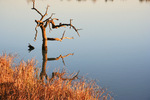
x=63, y=25
x=45, y=13
x=42, y=16
x=36, y=9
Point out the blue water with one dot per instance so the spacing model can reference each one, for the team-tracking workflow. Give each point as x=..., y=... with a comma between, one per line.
x=114, y=46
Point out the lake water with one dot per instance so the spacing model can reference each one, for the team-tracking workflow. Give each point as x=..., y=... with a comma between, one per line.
x=114, y=46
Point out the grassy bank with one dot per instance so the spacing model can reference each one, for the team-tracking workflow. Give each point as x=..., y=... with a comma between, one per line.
x=20, y=82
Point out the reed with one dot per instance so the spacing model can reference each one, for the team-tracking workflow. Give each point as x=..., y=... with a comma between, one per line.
x=20, y=82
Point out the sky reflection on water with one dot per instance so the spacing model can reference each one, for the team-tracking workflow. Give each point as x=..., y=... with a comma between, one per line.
x=113, y=47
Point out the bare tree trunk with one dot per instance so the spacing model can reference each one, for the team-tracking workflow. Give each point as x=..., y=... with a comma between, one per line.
x=44, y=45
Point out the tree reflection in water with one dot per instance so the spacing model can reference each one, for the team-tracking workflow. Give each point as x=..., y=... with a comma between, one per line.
x=43, y=74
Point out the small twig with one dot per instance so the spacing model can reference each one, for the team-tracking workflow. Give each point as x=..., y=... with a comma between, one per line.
x=33, y=3
x=70, y=23
x=76, y=30
x=63, y=35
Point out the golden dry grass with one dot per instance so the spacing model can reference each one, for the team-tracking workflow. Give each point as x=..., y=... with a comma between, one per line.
x=19, y=82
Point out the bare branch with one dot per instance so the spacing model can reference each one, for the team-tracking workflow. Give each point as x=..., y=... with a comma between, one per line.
x=67, y=55
x=45, y=13
x=49, y=21
x=36, y=32
x=36, y=9
x=54, y=39
x=70, y=23
x=49, y=18
x=46, y=10
x=67, y=38
x=33, y=3
x=49, y=27
x=60, y=39
x=76, y=30
x=63, y=25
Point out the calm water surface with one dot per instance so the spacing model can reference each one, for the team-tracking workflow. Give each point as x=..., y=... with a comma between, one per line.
x=114, y=46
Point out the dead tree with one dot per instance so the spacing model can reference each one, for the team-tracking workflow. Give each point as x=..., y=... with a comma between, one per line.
x=43, y=23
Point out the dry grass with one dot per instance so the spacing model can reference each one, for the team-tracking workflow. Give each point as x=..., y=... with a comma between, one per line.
x=19, y=82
